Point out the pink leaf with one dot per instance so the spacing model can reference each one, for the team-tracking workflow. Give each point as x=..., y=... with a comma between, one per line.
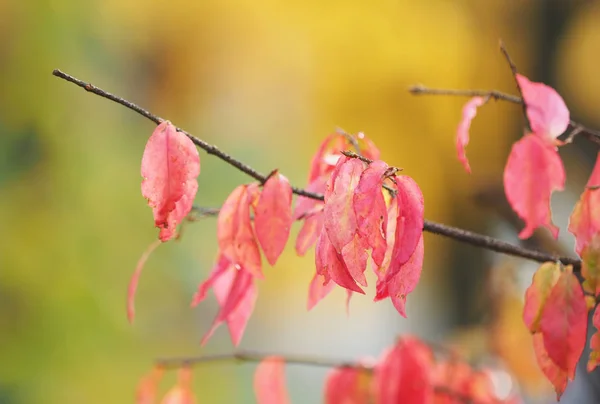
x=533, y=171
x=370, y=209
x=170, y=166
x=327, y=155
x=309, y=232
x=273, y=216
x=354, y=254
x=406, y=279
x=269, y=381
x=135, y=279
x=546, y=110
x=320, y=286
x=462, y=133
x=307, y=206
x=346, y=385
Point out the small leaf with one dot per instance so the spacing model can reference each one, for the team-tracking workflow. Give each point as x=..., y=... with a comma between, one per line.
x=556, y=375
x=327, y=155
x=546, y=110
x=584, y=222
x=320, y=286
x=534, y=170
x=273, y=216
x=348, y=385
x=135, y=278
x=564, y=322
x=537, y=294
x=269, y=381
x=170, y=166
x=462, y=134
x=406, y=279
x=309, y=232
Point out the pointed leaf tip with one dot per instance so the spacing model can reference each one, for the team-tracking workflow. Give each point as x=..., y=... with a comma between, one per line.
x=170, y=166
x=135, y=279
x=462, y=133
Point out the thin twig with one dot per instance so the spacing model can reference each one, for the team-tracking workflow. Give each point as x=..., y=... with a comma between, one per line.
x=513, y=69
x=455, y=233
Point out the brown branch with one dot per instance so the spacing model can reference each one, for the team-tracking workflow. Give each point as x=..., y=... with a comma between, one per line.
x=455, y=233
x=575, y=127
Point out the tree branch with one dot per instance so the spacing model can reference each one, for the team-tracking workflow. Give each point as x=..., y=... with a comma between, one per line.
x=455, y=233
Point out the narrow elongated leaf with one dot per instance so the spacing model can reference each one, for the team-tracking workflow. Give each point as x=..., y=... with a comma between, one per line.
x=269, y=382
x=381, y=272
x=339, y=216
x=584, y=222
x=534, y=170
x=273, y=216
x=462, y=133
x=557, y=376
x=348, y=385
x=538, y=292
x=370, y=209
x=135, y=278
x=170, y=166
x=564, y=322
x=546, y=110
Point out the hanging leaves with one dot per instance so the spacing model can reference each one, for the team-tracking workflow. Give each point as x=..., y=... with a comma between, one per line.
x=170, y=166
x=534, y=170
x=269, y=381
x=536, y=295
x=462, y=133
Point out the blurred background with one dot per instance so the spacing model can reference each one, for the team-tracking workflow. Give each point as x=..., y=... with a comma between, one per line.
x=266, y=81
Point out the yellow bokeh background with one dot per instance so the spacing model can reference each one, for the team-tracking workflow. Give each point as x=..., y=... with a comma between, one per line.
x=266, y=81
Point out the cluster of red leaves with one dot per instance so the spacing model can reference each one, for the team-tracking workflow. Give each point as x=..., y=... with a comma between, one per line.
x=407, y=373
x=181, y=393
x=556, y=305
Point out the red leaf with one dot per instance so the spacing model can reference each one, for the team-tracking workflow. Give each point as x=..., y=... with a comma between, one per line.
x=135, y=279
x=320, y=286
x=273, y=216
x=584, y=222
x=339, y=215
x=170, y=166
x=409, y=226
x=462, y=134
x=403, y=374
x=406, y=279
x=327, y=155
x=309, y=232
x=182, y=392
x=148, y=385
x=553, y=373
x=533, y=171
x=269, y=381
x=381, y=272
x=234, y=231
x=328, y=261
x=370, y=209
x=564, y=322
x=354, y=254
x=546, y=110
x=236, y=293
x=538, y=292
x=594, y=360
x=348, y=385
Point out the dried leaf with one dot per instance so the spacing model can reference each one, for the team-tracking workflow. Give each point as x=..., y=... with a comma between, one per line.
x=170, y=166
x=534, y=170
x=462, y=133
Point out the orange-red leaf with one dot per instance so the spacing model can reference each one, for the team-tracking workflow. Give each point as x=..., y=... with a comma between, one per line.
x=370, y=209
x=584, y=222
x=533, y=171
x=537, y=294
x=594, y=359
x=348, y=385
x=148, y=385
x=462, y=134
x=269, y=381
x=409, y=226
x=234, y=231
x=273, y=216
x=339, y=216
x=556, y=375
x=182, y=392
x=564, y=322
x=403, y=375
x=546, y=110
x=170, y=166
x=135, y=279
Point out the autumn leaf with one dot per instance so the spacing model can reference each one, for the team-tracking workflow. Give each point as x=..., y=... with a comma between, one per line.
x=309, y=232
x=381, y=272
x=135, y=278
x=564, y=322
x=148, y=386
x=367, y=147
x=273, y=216
x=406, y=279
x=327, y=155
x=547, y=112
x=594, y=359
x=348, y=385
x=538, y=292
x=590, y=266
x=403, y=376
x=462, y=133
x=584, y=222
x=557, y=376
x=234, y=231
x=306, y=206
x=170, y=166
x=269, y=381
x=339, y=216
x=182, y=392
x=533, y=171
x=320, y=286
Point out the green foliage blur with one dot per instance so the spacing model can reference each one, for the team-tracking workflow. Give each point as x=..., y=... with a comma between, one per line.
x=266, y=81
